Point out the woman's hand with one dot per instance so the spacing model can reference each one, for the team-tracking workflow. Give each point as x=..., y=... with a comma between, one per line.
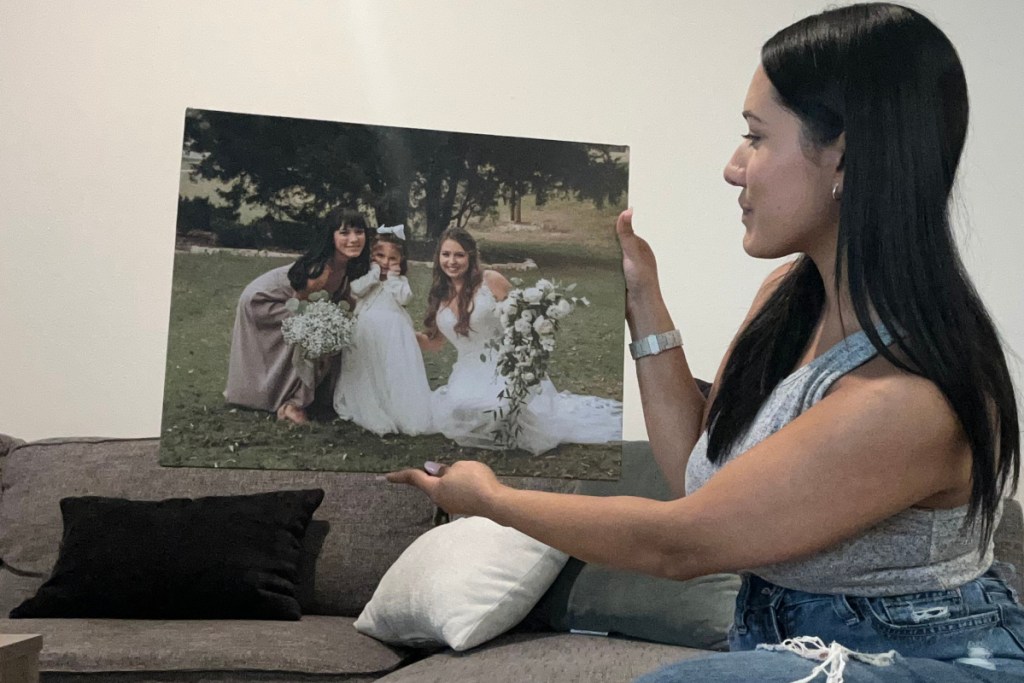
x=638, y=262
x=640, y=268
x=465, y=488
x=428, y=344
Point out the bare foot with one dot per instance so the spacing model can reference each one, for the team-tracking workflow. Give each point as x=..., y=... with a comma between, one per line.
x=292, y=413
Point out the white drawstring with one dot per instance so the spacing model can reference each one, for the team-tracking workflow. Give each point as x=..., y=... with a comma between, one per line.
x=833, y=657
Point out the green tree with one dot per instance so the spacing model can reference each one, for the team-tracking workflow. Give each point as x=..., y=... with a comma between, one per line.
x=298, y=168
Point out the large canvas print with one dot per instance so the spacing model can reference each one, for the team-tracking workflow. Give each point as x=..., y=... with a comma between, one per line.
x=364, y=298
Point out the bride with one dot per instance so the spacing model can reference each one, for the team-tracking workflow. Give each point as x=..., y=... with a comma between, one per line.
x=462, y=308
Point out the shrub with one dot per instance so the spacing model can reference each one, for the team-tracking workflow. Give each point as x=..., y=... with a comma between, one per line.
x=290, y=234
x=194, y=214
x=231, y=234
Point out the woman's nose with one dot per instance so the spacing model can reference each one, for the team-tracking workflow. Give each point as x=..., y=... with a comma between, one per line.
x=735, y=170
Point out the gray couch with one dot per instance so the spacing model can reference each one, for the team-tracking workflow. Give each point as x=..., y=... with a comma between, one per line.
x=362, y=526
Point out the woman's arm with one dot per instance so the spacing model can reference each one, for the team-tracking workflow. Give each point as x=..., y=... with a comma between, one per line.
x=673, y=406
x=874, y=447
x=316, y=284
x=329, y=280
x=497, y=283
x=428, y=344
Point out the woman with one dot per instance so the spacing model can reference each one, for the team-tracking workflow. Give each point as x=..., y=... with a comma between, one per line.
x=862, y=428
x=261, y=373
x=462, y=308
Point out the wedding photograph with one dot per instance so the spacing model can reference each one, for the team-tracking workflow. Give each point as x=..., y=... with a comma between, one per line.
x=365, y=298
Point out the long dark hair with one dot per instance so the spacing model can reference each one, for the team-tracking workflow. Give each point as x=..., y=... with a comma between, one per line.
x=311, y=265
x=892, y=82
x=441, y=287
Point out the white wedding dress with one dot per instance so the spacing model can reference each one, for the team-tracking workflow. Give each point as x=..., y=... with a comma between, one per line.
x=548, y=419
x=383, y=384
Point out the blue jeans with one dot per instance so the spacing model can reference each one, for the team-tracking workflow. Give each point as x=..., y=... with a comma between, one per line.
x=933, y=634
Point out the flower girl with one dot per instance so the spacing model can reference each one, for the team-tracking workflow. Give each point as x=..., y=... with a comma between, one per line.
x=383, y=385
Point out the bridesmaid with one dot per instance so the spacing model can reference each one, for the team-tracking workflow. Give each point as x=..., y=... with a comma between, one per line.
x=261, y=373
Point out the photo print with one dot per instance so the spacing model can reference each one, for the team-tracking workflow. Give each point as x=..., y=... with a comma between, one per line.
x=366, y=298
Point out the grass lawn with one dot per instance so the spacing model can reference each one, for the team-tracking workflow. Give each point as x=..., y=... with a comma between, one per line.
x=200, y=429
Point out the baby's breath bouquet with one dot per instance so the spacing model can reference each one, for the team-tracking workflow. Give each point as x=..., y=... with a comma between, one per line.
x=530, y=318
x=318, y=327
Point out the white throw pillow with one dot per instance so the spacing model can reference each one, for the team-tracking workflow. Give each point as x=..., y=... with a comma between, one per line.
x=460, y=584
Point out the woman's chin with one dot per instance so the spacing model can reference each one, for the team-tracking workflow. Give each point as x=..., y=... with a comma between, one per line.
x=757, y=249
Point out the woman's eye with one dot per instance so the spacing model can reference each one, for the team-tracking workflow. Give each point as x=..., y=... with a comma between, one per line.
x=751, y=138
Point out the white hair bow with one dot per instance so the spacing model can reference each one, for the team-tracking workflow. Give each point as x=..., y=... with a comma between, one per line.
x=396, y=230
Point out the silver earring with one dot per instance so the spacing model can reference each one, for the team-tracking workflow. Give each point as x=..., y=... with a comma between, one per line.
x=836, y=194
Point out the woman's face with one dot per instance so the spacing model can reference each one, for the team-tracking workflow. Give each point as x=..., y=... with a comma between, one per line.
x=786, y=194
x=453, y=259
x=349, y=242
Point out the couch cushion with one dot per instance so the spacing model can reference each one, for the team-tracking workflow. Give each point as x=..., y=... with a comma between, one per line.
x=369, y=522
x=212, y=557
x=7, y=444
x=1009, y=542
x=587, y=597
x=542, y=658
x=316, y=645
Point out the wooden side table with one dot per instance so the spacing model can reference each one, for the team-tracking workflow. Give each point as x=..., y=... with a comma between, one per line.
x=19, y=658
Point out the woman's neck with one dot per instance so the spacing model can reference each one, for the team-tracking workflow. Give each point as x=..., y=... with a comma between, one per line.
x=838, y=314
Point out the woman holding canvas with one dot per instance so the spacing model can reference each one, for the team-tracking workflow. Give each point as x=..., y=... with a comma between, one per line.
x=862, y=429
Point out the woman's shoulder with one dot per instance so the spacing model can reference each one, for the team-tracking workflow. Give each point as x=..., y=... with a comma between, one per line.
x=497, y=283
x=491, y=276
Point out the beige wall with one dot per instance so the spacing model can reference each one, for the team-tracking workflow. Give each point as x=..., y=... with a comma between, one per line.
x=92, y=97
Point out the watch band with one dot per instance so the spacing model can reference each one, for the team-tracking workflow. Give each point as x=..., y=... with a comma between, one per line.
x=655, y=343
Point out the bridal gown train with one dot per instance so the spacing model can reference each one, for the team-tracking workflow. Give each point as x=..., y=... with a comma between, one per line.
x=549, y=418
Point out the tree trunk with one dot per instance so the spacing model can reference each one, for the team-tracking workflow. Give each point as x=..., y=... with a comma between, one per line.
x=515, y=204
x=393, y=207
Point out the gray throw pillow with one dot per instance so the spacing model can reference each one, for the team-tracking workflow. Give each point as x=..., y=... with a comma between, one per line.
x=585, y=597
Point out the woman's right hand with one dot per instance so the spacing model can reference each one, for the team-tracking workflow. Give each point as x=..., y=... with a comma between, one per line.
x=464, y=488
x=639, y=267
x=428, y=344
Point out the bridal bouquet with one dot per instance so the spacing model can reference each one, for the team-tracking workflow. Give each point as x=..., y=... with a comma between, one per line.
x=530, y=318
x=318, y=327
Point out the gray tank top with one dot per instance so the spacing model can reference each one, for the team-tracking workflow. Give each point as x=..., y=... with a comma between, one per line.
x=916, y=550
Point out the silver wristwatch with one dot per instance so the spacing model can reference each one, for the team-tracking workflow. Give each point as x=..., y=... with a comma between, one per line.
x=655, y=343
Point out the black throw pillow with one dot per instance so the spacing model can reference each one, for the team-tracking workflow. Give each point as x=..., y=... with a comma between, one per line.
x=219, y=557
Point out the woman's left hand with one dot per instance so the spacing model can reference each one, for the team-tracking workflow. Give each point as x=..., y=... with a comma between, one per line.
x=465, y=488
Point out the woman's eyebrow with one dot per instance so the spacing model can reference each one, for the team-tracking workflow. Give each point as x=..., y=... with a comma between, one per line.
x=747, y=114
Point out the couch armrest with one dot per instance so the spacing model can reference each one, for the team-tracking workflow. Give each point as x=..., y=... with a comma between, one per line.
x=8, y=444
x=1009, y=541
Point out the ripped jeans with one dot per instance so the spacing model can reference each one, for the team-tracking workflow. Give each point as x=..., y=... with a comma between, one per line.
x=971, y=633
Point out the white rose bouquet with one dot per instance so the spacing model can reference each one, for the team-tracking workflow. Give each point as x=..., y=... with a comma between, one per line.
x=318, y=327
x=530, y=318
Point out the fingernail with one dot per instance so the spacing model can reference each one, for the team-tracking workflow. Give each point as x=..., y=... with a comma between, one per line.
x=432, y=467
